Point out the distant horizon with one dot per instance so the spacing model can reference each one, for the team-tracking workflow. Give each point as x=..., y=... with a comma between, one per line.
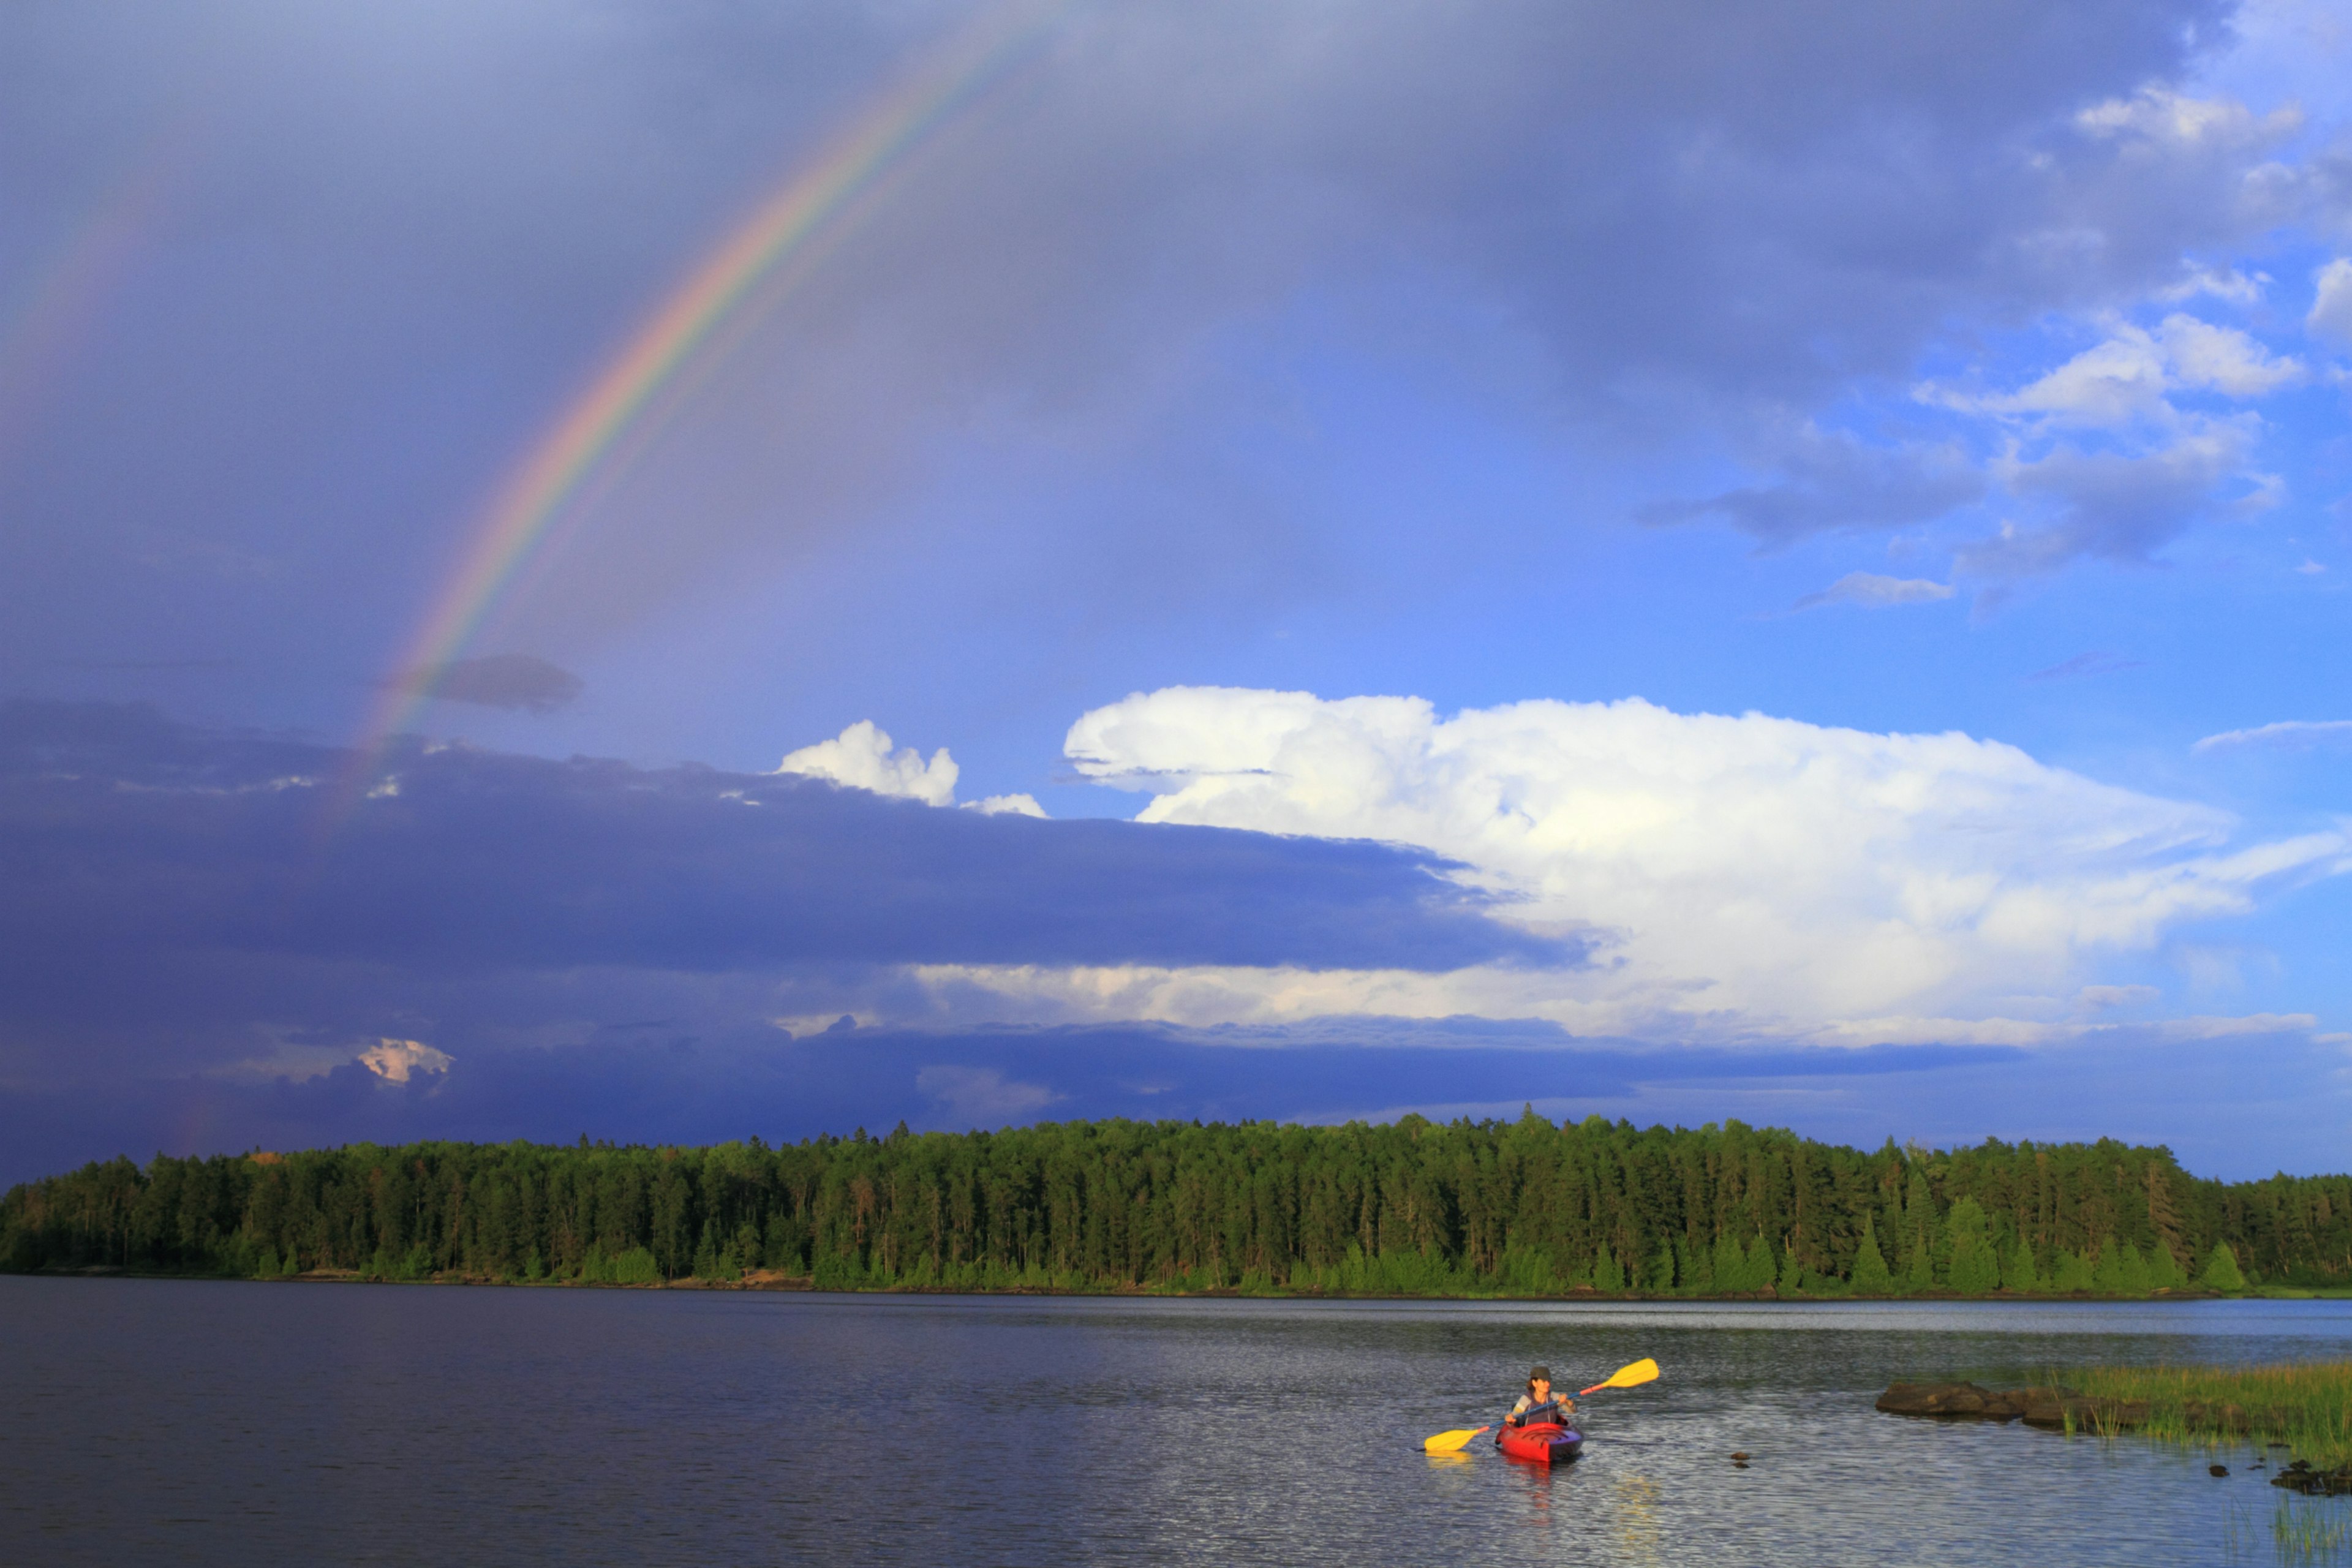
x=1911, y=1148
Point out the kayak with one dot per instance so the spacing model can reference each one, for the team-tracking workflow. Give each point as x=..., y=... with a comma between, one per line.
x=1542, y=1442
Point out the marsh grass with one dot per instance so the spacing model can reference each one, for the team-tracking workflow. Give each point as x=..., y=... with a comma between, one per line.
x=2311, y=1531
x=2306, y=1404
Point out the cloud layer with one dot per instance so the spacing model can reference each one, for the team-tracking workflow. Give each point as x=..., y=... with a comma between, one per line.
x=494, y=946
x=1738, y=876
x=477, y=895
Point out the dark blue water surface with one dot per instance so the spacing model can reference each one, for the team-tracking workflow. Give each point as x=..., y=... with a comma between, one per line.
x=168, y=1422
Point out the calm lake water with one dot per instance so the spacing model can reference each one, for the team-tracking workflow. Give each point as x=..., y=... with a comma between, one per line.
x=193, y=1422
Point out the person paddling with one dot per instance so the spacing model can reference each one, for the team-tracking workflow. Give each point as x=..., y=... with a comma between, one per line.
x=1539, y=1403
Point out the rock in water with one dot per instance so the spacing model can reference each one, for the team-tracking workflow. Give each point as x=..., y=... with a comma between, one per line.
x=1933, y=1399
x=2036, y=1407
x=2217, y=1469
x=2302, y=1477
x=1962, y=1399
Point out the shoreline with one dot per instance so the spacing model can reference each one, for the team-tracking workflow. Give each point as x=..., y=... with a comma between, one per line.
x=766, y=1280
x=2302, y=1407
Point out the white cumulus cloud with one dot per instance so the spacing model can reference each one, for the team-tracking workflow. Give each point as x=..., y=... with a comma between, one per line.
x=2223, y=359
x=861, y=757
x=1006, y=805
x=2128, y=378
x=1742, y=875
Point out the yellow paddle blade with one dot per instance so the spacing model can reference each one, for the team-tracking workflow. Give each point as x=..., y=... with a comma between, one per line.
x=1451, y=1442
x=1633, y=1376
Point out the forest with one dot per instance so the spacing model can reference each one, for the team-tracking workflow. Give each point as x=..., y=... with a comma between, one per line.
x=1414, y=1207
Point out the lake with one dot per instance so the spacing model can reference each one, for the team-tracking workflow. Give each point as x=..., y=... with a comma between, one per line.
x=170, y=1420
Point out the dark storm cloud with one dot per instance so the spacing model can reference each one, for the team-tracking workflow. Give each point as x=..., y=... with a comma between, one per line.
x=436, y=219
x=2118, y=507
x=736, y=1084
x=1833, y=481
x=175, y=894
x=508, y=680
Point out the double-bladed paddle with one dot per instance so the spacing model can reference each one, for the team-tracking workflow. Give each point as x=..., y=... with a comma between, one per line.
x=1632, y=1376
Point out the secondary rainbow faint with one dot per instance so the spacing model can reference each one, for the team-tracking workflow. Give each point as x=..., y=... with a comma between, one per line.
x=66, y=296
x=557, y=466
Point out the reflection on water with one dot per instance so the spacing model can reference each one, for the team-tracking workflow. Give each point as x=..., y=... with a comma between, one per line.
x=1635, y=1499
x=185, y=1422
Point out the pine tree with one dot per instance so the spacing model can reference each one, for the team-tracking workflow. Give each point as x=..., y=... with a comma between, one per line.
x=1607, y=1274
x=2162, y=1219
x=2069, y=1273
x=1919, y=1272
x=2134, y=1269
x=1919, y=1268
x=1871, y=1275
x=2107, y=1273
x=1662, y=1271
x=1730, y=1271
x=1975, y=1269
x=2221, y=1271
x=2018, y=1271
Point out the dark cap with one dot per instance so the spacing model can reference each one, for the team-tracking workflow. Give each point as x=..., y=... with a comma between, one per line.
x=1540, y=1374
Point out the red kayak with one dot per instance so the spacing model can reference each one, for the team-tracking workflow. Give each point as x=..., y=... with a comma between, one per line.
x=1541, y=1442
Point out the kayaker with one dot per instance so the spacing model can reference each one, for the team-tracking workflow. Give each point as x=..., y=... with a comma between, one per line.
x=1539, y=1403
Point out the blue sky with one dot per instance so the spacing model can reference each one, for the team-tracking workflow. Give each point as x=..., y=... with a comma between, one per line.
x=1787, y=565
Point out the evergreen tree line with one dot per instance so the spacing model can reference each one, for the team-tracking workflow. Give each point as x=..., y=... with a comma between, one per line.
x=1415, y=1207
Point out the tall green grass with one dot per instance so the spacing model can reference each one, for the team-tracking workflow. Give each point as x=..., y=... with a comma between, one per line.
x=2306, y=1404
x=2302, y=1532
x=2310, y=1532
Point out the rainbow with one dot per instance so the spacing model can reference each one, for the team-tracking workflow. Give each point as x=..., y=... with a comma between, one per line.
x=588, y=437
x=66, y=297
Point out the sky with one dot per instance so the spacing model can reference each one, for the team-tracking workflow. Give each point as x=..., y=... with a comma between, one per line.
x=688, y=571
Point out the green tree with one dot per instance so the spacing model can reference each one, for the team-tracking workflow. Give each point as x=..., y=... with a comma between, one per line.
x=1919, y=1270
x=1730, y=1270
x=2069, y=1273
x=1607, y=1274
x=671, y=1196
x=1871, y=1275
x=1923, y=1234
x=2107, y=1271
x=1975, y=1269
x=2221, y=1271
x=2018, y=1270
x=2132, y=1268
x=1662, y=1271
x=1412, y=1206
